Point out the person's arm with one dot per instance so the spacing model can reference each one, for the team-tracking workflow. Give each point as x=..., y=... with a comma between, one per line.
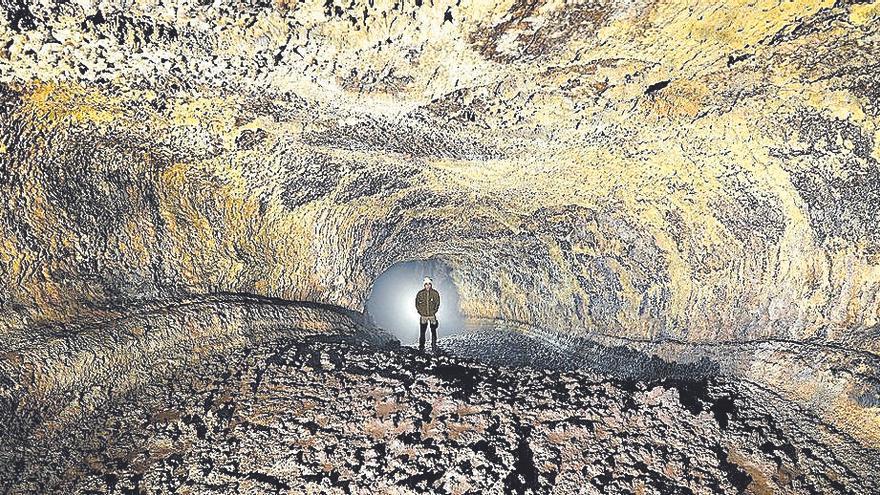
x=436, y=305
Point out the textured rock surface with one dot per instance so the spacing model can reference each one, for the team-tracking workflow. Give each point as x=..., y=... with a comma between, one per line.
x=63, y=372
x=288, y=416
x=651, y=169
x=697, y=183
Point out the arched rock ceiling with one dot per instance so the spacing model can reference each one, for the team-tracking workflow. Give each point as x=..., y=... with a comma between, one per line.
x=644, y=169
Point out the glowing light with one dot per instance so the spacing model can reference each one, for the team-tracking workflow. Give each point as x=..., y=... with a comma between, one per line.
x=392, y=306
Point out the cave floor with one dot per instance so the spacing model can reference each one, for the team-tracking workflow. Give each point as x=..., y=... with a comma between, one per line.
x=346, y=417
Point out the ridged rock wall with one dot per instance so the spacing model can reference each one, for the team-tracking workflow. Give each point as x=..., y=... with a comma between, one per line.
x=56, y=375
x=649, y=171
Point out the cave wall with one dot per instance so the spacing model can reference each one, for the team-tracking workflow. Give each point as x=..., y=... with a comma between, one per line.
x=702, y=172
x=651, y=171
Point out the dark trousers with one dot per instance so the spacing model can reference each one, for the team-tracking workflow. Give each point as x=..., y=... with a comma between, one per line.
x=422, y=328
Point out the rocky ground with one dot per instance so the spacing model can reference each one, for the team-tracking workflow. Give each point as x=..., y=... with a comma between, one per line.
x=310, y=416
x=675, y=178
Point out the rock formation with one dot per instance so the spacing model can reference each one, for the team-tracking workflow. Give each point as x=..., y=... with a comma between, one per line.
x=331, y=417
x=638, y=187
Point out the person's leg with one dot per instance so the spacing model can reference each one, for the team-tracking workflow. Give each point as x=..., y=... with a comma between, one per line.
x=423, y=325
x=434, y=335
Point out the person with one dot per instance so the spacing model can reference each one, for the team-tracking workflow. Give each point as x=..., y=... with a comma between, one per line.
x=427, y=304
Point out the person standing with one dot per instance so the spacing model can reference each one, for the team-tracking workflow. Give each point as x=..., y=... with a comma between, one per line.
x=427, y=304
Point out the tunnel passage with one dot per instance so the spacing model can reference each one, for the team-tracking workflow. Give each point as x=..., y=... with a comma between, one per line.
x=391, y=305
x=695, y=184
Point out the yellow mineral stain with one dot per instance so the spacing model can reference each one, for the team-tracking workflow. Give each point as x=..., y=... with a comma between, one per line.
x=56, y=102
x=684, y=99
x=863, y=14
x=876, y=153
x=839, y=104
x=683, y=36
x=217, y=113
x=760, y=484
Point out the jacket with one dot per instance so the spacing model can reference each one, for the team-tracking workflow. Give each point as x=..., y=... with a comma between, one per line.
x=428, y=302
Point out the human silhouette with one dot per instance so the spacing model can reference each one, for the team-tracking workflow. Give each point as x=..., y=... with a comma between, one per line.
x=427, y=304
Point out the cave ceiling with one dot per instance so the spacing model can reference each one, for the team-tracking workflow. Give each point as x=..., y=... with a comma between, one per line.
x=698, y=171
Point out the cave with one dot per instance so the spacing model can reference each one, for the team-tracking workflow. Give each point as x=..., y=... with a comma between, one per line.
x=653, y=225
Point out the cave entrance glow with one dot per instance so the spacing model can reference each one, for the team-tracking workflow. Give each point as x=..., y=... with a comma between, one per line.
x=391, y=304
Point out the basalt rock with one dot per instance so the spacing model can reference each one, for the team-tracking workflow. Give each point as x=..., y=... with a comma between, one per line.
x=637, y=188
